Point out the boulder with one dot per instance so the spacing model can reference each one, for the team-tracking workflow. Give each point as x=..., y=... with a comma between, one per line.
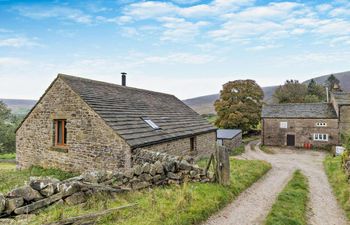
x=95, y=176
x=184, y=165
x=158, y=167
x=170, y=166
x=69, y=188
x=118, y=176
x=2, y=203
x=129, y=173
x=137, y=170
x=193, y=173
x=39, y=183
x=146, y=167
x=140, y=185
x=75, y=199
x=12, y=204
x=174, y=176
x=26, y=192
x=49, y=190
x=157, y=178
x=145, y=177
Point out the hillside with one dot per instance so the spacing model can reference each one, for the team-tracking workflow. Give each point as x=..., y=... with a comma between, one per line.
x=19, y=106
x=205, y=104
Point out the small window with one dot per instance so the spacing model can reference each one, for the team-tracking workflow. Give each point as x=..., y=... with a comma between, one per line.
x=321, y=124
x=192, y=144
x=284, y=125
x=320, y=137
x=151, y=123
x=60, y=132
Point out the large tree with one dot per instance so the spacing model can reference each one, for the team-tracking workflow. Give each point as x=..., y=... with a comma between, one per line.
x=315, y=92
x=291, y=92
x=333, y=83
x=239, y=105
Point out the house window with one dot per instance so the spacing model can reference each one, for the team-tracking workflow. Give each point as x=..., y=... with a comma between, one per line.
x=192, y=144
x=151, y=123
x=320, y=137
x=321, y=124
x=60, y=132
x=284, y=125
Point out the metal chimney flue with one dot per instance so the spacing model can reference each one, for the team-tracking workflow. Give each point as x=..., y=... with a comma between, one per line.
x=123, y=78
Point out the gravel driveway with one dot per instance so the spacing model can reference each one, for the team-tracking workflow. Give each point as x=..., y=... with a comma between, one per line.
x=252, y=206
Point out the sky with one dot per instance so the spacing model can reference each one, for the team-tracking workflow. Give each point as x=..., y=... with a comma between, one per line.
x=186, y=48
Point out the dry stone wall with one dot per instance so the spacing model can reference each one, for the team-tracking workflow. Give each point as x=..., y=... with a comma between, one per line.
x=150, y=169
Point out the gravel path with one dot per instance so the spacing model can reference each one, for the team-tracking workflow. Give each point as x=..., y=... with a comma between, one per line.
x=252, y=206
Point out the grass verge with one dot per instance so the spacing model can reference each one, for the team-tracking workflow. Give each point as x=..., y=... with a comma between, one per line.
x=189, y=203
x=237, y=151
x=290, y=207
x=339, y=182
x=8, y=156
x=266, y=149
x=11, y=178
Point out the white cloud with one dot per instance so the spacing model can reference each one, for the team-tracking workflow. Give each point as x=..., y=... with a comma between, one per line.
x=263, y=47
x=59, y=12
x=17, y=42
x=11, y=62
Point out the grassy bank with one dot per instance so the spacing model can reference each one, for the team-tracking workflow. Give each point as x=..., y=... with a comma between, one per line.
x=189, y=203
x=290, y=207
x=339, y=182
x=8, y=156
x=11, y=178
x=266, y=149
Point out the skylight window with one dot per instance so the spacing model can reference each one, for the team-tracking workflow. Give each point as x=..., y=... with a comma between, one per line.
x=151, y=123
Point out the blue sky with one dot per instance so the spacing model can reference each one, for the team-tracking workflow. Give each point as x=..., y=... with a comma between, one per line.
x=187, y=48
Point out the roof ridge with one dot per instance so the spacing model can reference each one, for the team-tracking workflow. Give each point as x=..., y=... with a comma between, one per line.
x=311, y=103
x=108, y=83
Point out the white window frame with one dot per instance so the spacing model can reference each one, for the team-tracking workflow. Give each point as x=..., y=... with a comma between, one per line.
x=284, y=125
x=321, y=124
x=220, y=142
x=320, y=137
x=151, y=124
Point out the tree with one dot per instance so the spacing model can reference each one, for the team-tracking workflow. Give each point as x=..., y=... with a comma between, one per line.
x=291, y=92
x=239, y=105
x=315, y=92
x=333, y=83
x=8, y=124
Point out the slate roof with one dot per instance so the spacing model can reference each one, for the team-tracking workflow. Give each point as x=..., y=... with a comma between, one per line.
x=227, y=133
x=125, y=108
x=299, y=110
x=342, y=98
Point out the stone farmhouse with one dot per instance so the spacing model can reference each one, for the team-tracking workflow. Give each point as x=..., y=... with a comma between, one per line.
x=81, y=124
x=319, y=124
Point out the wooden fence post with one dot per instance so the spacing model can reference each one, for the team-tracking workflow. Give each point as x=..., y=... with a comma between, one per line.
x=222, y=172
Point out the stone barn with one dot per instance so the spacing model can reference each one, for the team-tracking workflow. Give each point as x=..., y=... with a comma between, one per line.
x=319, y=124
x=230, y=138
x=81, y=124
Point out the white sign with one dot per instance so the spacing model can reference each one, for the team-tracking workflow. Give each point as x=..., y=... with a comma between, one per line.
x=284, y=125
x=339, y=150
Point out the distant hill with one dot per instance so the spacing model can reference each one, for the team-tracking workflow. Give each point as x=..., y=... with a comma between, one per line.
x=19, y=106
x=205, y=104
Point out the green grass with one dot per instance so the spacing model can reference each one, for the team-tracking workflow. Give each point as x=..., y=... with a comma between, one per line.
x=339, y=182
x=189, y=203
x=11, y=178
x=266, y=149
x=247, y=139
x=290, y=206
x=238, y=150
x=8, y=156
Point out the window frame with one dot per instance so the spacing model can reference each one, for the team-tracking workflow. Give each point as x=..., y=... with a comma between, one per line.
x=63, y=132
x=283, y=125
x=320, y=137
x=321, y=124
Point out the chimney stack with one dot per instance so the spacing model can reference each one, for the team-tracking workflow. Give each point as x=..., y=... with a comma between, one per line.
x=123, y=78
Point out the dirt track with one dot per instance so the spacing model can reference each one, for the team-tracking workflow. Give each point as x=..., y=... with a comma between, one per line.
x=253, y=205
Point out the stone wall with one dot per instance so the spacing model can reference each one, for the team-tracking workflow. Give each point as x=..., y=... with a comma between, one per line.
x=233, y=143
x=303, y=129
x=91, y=144
x=344, y=120
x=204, y=146
x=150, y=169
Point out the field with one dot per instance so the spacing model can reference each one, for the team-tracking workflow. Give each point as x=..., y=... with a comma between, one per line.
x=189, y=203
